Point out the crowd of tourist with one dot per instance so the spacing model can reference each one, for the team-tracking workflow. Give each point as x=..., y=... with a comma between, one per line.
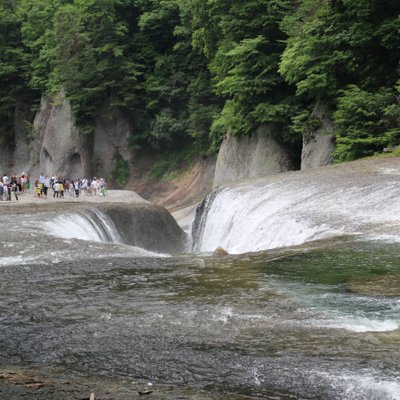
x=12, y=187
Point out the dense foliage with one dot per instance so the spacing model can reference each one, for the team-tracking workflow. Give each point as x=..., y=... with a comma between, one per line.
x=188, y=71
x=347, y=53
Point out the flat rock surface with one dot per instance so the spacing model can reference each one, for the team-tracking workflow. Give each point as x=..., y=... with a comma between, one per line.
x=29, y=200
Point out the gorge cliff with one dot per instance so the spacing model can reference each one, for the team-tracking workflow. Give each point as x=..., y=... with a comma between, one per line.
x=55, y=144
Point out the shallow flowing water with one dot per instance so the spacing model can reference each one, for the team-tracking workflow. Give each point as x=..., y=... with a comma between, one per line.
x=308, y=322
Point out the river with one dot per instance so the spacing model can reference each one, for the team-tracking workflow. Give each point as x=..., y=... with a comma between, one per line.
x=315, y=318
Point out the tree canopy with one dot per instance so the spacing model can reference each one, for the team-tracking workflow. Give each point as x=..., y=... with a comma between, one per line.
x=188, y=71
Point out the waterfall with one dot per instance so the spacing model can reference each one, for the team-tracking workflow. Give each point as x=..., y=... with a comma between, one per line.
x=201, y=218
x=91, y=225
x=300, y=207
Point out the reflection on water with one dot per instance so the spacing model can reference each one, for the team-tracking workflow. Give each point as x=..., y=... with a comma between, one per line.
x=278, y=325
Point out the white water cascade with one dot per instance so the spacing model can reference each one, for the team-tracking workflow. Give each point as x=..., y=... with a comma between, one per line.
x=91, y=225
x=295, y=208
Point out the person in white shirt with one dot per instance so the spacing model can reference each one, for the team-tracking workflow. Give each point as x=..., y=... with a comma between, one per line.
x=56, y=188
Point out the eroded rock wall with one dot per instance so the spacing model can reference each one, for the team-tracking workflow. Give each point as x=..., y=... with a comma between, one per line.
x=59, y=147
x=242, y=157
x=318, y=146
x=15, y=152
x=111, y=143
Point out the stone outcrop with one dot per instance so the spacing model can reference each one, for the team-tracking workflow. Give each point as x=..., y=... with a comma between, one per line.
x=242, y=157
x=61, y=148
x=318, y=146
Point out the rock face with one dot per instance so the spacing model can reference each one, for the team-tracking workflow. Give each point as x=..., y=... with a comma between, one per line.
x=111, y=143
x=318, y=146
x=21, y=154
x=15, y=157
x=59, y=146
x=148, y=226
x=250, y=157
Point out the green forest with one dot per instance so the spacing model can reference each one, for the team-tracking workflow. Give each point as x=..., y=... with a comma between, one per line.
x=186, y=72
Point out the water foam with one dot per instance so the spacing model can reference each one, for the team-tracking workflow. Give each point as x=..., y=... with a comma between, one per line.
x=258, y=219
x=263, y=216
x=369, y=386
x=20, y=260
x=15, y=260
x=360, y=325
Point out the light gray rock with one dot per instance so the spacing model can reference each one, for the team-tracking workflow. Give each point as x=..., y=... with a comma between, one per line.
x=318, y=146
x=242, y=157
x=60, y=147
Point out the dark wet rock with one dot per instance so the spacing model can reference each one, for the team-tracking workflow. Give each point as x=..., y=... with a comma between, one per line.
x=148, y=226
x=139, y=222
